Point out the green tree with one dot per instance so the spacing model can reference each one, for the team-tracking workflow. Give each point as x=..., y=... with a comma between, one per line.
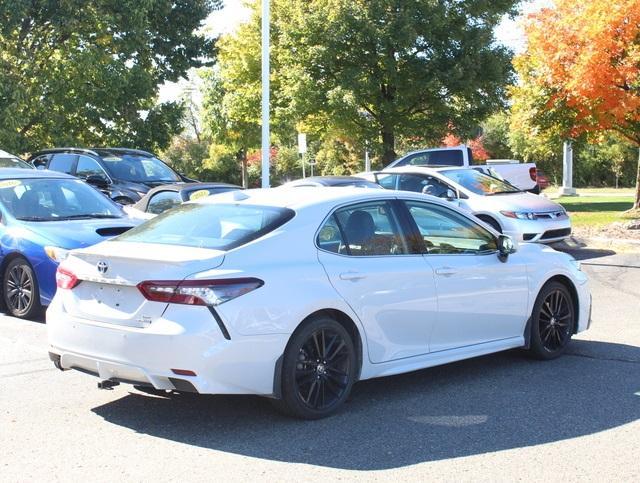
x=87, y=73
x=495, y=136
x=417, y=68
x=350, y=71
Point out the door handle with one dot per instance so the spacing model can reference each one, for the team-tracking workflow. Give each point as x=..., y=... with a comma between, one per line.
x=352, y=276
x=446, y=271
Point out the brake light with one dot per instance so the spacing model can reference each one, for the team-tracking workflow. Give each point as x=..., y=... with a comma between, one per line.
x=198, y=292
x=66, y=279
x=533, y=173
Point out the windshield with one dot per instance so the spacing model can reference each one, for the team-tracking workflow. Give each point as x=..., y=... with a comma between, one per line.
x=215, y=226
x=479, y=183
x=14, y=163
x=139, y=169
x=54, y=200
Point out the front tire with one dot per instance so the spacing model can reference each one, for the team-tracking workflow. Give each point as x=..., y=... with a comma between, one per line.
x=318, y=369
x=491, y=222
x=20, y=290
x=552, y=321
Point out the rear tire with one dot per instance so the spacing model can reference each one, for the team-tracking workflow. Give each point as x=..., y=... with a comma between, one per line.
x=20, y=290
x=552, y=322
x=318, y=370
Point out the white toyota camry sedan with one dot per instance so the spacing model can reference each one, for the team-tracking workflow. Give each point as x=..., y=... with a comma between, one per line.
x=296, y=294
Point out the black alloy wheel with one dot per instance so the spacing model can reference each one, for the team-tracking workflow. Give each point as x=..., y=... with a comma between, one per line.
x=319, y=369
x=20, y=289
x=553, y=321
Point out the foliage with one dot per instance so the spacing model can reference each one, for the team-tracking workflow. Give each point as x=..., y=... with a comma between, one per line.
x=87, y=73
x=495, y=136
x=584, y=60
x=350, y=71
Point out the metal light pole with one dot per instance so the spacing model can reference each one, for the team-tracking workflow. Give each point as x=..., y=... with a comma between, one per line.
x=266, y=145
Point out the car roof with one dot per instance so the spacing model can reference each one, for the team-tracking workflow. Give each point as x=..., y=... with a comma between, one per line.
x=21, y=173
x=197, y=185
x=303, y=197
x=4, y=154
x=420, y=169
x=100, y=152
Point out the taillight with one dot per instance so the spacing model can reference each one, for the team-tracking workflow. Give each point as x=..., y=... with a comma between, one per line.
x=66, y=279
x=533, y=173
x=198, y=292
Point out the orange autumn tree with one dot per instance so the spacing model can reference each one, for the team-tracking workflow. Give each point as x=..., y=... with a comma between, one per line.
x=585, y=58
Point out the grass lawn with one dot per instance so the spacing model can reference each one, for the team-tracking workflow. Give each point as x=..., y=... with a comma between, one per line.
x=596, y=210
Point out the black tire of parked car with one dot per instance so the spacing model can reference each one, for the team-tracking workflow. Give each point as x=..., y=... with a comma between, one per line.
x=491, y=222
x=20, y=290
x=552, y=321
x=318, y=369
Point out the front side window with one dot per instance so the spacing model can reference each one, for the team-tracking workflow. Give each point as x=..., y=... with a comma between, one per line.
x=445, y=232
x=162, y=201
x=366, y=229
x=216, y=226
x=139, y=169
x=89, y=167
x=54, y=200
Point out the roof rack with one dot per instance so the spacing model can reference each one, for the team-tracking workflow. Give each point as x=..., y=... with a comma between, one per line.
x=128, y=150
x=62, y=150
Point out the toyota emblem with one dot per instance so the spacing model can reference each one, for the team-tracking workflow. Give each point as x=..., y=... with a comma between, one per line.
x=102, y=267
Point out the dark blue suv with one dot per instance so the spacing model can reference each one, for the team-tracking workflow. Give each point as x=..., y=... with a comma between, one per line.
x=125, y=175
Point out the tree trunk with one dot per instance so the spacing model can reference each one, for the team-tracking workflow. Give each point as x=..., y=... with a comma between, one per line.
x=636, y=203
x=388, y=145
x=241, y=156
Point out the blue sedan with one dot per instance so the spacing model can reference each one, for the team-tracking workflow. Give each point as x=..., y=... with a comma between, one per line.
x=44, y=214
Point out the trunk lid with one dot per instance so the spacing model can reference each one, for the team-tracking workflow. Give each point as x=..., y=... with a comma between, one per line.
x=110, y=272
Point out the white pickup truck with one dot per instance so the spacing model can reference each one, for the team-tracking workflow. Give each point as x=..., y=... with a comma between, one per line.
x=521, y=175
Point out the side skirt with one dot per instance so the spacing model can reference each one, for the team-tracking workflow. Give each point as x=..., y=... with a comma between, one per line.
x=409, y=364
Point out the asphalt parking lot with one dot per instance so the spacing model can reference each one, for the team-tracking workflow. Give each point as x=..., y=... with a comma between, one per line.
x=500, y=417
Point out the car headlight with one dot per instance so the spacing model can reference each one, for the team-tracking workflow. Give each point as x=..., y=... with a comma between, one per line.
x=56, y=254
x=520, y=215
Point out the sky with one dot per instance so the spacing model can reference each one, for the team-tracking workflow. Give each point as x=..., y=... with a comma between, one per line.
x=509, y=33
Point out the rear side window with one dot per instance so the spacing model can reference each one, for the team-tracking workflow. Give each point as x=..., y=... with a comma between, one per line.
x=214, y=226
x=62, y=162
x=163, y=201
x=447, y=157
x=365, y=229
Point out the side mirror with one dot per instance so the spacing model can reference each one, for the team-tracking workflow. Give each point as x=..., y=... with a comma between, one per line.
x=451, y=195
x=505, y=247
x=98, y=181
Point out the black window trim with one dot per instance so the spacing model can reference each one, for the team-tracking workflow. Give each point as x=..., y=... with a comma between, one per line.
x=97, y=160
x=415, y=231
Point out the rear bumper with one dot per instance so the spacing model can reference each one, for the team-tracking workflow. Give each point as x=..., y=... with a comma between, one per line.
x=150, y=355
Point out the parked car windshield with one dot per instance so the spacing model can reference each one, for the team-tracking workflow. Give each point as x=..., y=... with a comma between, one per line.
x=479, y=183
x=50, y=199
x=215, y=226
x=14, y=163
x=139, y=169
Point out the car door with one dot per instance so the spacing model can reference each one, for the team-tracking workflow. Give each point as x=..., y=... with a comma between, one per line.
x=480, y=298
x=365, y=255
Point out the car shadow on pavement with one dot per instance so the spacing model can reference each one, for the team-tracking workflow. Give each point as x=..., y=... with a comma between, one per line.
x=482, y=405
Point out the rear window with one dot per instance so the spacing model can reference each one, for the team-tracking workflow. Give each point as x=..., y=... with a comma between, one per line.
x=213, y=226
